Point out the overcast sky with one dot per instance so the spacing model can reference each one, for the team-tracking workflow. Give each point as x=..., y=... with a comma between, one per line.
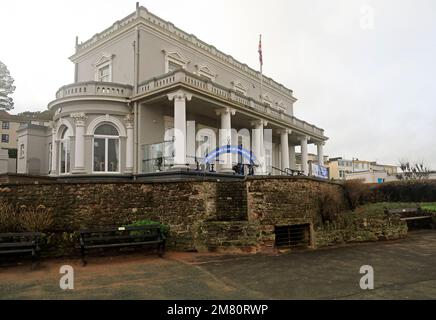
x=369, y=82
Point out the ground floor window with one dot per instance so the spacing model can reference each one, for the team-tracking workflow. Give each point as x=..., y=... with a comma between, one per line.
x=65, y=152
x=106, y=149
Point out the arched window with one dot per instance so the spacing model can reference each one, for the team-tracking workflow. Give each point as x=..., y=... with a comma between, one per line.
x=106, y=149
x=64, y=151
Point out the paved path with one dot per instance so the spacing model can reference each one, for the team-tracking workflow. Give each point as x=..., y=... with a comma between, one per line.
x=403, y=269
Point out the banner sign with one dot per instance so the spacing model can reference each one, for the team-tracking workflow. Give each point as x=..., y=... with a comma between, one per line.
x=320, y=171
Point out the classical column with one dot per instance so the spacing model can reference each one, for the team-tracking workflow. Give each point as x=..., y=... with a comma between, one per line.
x=129, y=143
x=258, y=147
x=226, y=138
x=304, y=159
x=284, y=143
x=79, y=147
x=320, y=152
x=179, y=98
x=292, y=161
x=54, y=149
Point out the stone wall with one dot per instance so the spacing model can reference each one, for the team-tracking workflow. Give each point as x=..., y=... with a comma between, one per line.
x=202, y=215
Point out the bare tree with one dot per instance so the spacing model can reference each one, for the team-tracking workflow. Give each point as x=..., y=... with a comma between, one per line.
x=413, y=171
x=6, y=88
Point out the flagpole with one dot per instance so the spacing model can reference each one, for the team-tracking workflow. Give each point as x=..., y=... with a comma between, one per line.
x=261, y=67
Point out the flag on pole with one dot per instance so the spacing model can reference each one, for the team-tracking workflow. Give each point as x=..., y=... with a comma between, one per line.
x=260, y=51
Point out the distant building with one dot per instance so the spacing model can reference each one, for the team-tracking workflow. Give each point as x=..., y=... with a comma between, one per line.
x=10, y=125
x=369, y=171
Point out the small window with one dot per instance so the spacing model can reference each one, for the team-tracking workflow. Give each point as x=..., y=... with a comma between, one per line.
x=104, y=74
x=5, y=138
x=268, y=103
x=172, y=66
x=5, y=125
x=240, y=91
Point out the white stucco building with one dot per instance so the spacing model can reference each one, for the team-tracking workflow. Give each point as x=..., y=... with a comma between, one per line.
x=149, y=97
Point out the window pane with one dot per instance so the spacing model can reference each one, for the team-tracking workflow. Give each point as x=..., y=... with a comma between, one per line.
x=173, y=66
x=66, y=134
x=65, y=157
x=99, y=154
x=104, y=71
x=113, y=155
x=106, y=130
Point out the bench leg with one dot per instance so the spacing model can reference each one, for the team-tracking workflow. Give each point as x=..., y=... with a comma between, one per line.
x=82, y=254
x=161, y=250
x=35, y=259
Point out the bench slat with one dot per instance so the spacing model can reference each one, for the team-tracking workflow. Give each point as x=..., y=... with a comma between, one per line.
x=114, y=229
x=16, y=251
x=122, y=244
x=127, y=237
x=16, y=244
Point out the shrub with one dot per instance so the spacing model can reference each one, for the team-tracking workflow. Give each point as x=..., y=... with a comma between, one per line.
x=165, y=229
x=37, y=218
x=356, y=193
x=406, y=191
x=330, y=204
x=9, y=221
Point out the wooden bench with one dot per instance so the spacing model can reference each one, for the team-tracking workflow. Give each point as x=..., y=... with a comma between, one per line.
x=21, y=243
x=411, y=215
x=117, y=237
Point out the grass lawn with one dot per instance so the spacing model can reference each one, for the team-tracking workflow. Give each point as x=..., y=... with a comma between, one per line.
x=377, y=209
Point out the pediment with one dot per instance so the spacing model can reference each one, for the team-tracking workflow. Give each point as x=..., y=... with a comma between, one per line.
x=105, y=57
x=176, y=56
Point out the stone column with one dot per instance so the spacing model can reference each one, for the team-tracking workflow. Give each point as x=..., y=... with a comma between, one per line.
x=284, y=143
x=129, y=143
x=179, y=98
x=258, y=146
x=54, y=149
x=225, y=134
x=320, y=152
x=292, y=162
x=79, y=146
x=304, y=158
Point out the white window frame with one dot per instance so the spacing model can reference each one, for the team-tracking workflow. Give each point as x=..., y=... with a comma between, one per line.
x=176, y=58
x=50, y=153
x=106, y=148
x=104, y=61
x=239, y=88
x=267, y=100
x=67, y=159
x=104, y=65
x=206, y=72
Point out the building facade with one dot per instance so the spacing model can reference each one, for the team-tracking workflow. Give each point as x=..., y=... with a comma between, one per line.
x=369, y=171
x=149, y=97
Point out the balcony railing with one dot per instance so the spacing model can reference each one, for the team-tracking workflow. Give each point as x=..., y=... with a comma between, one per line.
x=93, y=88
x=199, y=83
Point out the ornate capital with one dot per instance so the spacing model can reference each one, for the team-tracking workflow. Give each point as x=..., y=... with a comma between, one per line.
x=128, y=119
x=258, y=123
x=225, y=110
x=303, y=138
x=179, y=95
x=79, y=118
